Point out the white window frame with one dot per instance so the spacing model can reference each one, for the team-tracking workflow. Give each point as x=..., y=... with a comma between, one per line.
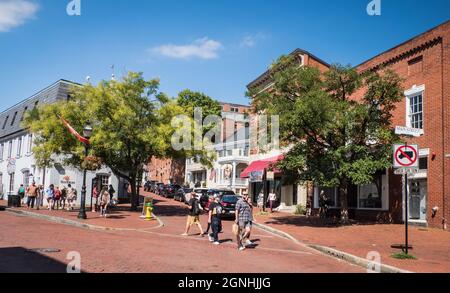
x=409, y=94
x=2, y=151
x=30, y=144
x=19, y=147
x=10, y=148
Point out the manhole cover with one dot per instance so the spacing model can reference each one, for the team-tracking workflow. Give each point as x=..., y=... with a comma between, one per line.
x=45, y=250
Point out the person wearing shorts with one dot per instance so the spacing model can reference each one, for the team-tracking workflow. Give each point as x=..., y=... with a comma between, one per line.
x=194, y=215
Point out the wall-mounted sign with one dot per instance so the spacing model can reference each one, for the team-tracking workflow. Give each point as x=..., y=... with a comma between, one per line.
x=67, y=180
x=408, y=131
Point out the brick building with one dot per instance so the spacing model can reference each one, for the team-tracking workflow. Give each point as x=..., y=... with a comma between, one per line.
x=424, y=64
x=167, y=171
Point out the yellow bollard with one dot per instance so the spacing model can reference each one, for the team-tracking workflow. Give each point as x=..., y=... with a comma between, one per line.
x=148, y=216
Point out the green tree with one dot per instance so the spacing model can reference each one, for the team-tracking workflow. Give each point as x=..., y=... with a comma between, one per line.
x=131, y=122
x=333, y=139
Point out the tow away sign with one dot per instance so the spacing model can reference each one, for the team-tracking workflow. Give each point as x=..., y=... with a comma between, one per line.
x=406, y=156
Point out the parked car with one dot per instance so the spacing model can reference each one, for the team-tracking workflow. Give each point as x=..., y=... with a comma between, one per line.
x=170, y=190
x=148, y=185
x=181, y=194
x=228, y=203
x=211, y=192
x=159, y=189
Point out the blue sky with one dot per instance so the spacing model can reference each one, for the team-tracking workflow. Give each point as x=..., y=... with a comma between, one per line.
x=213, y=46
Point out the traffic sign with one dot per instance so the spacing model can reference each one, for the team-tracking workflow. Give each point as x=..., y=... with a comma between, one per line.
x=406, y=156
x=407, y=171
x=408, y=131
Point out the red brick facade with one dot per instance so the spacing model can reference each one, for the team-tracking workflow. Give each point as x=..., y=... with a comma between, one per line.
x=424, y=61
x=167, y=170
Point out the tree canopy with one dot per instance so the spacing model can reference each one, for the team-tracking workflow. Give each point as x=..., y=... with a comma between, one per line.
x=333, y=138
x=131, y=121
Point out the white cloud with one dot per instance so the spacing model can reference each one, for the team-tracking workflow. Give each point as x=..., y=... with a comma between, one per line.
x=15, y=12
x=252, y=40
x=202, y=48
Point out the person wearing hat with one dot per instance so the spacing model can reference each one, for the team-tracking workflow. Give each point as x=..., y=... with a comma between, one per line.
x=194, y=214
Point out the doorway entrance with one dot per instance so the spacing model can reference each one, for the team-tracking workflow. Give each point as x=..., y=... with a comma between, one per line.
x=418, y=199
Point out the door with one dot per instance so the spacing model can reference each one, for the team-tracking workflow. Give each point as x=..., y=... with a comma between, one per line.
x=418, y=200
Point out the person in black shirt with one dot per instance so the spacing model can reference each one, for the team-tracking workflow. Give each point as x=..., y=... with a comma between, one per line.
x=194, y=215
x=215, y=210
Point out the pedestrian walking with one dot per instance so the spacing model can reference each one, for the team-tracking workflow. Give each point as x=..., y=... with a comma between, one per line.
x=323, y=205
x=32, y=194
x=49, y=193
x=21, y=193
x=194, y=214
x=111, y=192
x=272, y=199
x=260, y=200
x=94, y=199
x=215, y=210
x=244, y=219
x=71, y=197
x=57, y=198
x=104, y=201
x=208, y=204
x=63, y=198
x=39, y=197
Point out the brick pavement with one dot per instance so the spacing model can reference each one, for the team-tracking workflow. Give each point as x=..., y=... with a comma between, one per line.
x=159, y=250
x=118, y=218
x=431, y=246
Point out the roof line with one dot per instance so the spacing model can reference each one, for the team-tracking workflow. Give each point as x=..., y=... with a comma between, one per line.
x=296, y=51
x=39, y=92
x=403, y=43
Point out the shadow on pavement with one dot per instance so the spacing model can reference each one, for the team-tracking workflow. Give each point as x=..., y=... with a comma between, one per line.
x=21, y=260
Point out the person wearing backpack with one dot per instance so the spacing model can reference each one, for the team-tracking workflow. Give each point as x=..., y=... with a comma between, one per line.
x=215, y=210
x=194, y=215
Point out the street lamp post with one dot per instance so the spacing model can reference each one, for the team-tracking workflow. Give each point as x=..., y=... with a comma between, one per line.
x=87, y=131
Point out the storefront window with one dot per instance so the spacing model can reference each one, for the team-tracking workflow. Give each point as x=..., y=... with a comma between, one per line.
x=369, y=197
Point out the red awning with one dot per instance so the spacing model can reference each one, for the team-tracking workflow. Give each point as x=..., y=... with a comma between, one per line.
x=260, y=166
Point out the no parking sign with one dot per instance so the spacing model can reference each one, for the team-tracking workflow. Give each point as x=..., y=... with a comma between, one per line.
x=406, y=156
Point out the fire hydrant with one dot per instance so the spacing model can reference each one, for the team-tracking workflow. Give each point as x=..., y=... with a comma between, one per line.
x=149, y=210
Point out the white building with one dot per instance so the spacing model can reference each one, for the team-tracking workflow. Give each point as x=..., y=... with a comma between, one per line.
x=17, y=163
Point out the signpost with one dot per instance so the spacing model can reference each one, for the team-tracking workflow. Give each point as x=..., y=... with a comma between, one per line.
x=406, y=161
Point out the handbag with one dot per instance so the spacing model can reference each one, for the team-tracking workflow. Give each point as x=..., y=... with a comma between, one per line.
x=235, y=229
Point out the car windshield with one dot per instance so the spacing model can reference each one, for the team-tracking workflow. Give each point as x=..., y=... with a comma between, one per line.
x=226, y=192
x=230, y=199
x=187, y=190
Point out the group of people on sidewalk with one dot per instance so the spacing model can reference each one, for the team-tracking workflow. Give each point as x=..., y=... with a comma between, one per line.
x=65, y=197
x=55, y=197
x=242, y=227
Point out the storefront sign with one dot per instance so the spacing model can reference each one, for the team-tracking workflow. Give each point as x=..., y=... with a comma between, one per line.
x=67, y=180
x=256, y=176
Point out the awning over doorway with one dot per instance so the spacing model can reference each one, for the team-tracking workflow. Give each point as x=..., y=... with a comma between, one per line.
x=261, y=165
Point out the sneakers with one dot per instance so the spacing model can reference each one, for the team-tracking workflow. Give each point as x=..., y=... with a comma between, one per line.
x=211, y=239
x=242, y=248
x=248, y=242
x=184, y=234
x=216, y=243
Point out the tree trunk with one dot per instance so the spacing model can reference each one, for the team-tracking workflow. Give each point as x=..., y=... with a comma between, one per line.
x=134, y=194
x=343, y=190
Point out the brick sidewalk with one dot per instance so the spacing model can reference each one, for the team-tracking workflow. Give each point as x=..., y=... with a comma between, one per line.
x=431, y=246
x=118, y=218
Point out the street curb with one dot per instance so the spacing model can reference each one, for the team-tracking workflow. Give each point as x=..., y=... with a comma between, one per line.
x=77, y=224
x=350, y=258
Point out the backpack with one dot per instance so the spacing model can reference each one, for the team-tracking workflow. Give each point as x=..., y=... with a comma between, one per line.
x=195, y=207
